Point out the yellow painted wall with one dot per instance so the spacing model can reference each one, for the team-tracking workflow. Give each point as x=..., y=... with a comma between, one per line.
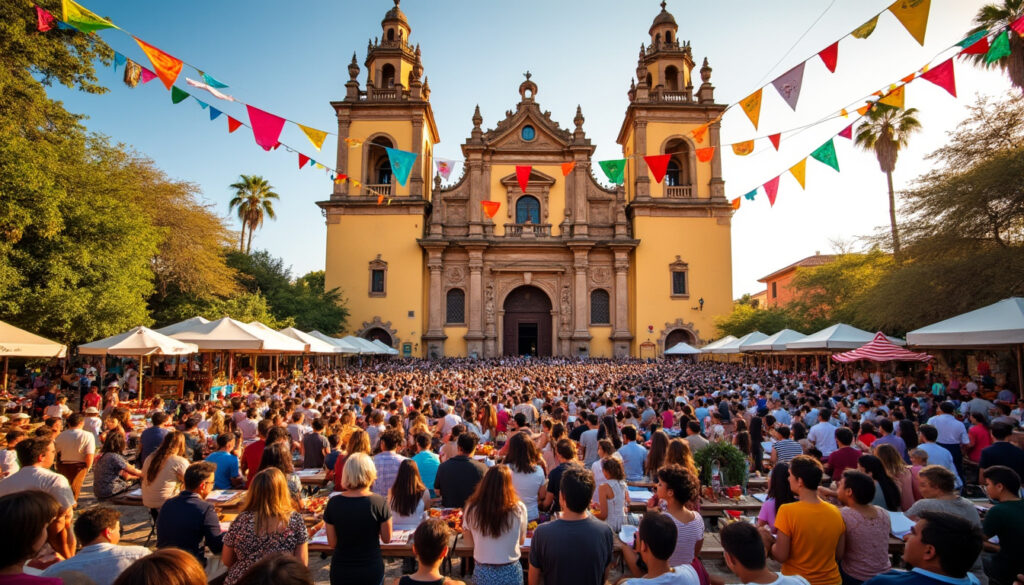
x=657, y=135
x=600, y=342
x=656, y=67
x=356, y=240
x=455, y=345
x=399, y=131
x=705, y=246
x=556, y=197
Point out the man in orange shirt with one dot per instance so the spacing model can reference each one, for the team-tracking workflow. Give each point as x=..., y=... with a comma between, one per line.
x=811, y=533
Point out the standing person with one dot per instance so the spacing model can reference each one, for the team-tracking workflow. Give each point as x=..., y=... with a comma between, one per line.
x=408, y=497
x=1006, y=521
x=523, y=461
x=555, y=550
x=952, y=435
x=357, y=520
x=655, y=541
x=151, y=438
x=93, y=424
x=387, y=461
x=745, y=556
x=315, y=446
x=358, y=442
x=941, y=548
x=823, y=437
x=26, y=516
x=253, y=452
x=457, y=477
x=187, y=521
x=612, y=495
x=811, y=533
x=426, y=461
x=497, y=521
x=867, y=529
x=112, y=474
x=102, y=558
x=1002, y=451
x=633, y=454
x=228, y=474
x=163, y=472
x=937, y=454
x=76, y=449
x=268, y=524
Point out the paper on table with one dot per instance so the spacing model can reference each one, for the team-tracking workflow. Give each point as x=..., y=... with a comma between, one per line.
x=136, y=493
x=639, y=495
x=526, y=541
x=760, y=497
x=307, y=472
x=398, y=537
x=220, y=495
x=899, y=524
x=320, y=537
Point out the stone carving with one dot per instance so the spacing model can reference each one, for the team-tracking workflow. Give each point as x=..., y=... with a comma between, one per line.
x=601, y=275
x=489, y=303
x=566, y=306
x=455, y=275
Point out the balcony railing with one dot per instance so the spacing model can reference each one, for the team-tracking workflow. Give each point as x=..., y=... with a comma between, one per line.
x=527, y=230
x=384, y=189
x=679, y=191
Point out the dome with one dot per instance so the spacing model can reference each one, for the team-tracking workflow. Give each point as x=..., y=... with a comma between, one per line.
x=664, y=17
x=396, y=14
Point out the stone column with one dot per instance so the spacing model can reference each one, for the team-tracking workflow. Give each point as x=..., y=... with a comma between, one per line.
x=475, y=335
x=416, y=181
x=643, y=182
x=342, y=161
x=581, y=317
x=621, y=335
x=716, y=184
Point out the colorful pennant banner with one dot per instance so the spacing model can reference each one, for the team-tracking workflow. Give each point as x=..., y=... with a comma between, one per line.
x=658, y=164
x=81, y=18
x=167, y=67
x=444, y=167
x=567, y=168
x=788, y=85
x=401, y=164
x=771, y=188
x=523, y=176
x=490, y=208
x=614, y=170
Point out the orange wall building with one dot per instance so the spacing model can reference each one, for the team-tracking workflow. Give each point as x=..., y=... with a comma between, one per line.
x=778, y=284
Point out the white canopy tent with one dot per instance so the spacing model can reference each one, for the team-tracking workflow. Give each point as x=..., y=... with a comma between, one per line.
x=226, y=334
x=709, y=348
x=776, y=342
x=682, y=348
x=838, y=336
x=736, y=345
x=139, y=341
x=186, y=325
x=341, y=345
x=365, y=345
x=279, y=337
x=313, y=344
x=385, y=347
x=16, y=342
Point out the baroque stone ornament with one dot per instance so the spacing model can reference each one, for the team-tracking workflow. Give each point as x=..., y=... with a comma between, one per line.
x=455, y=275
x=601, y=275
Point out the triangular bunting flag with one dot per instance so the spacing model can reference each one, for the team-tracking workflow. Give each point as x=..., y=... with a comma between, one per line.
x=214, y=112
x=178, y=95
x=79, y=17
x=315, y=164
x=973, y=38
x=913, y=15
x=523, y=176
x=167, y=67
x=830, y=55
x=826, y=153
x=233, y=124
x=567, y=168
x=355, y=183
x=119, y=60
x=266, y=127
x=978, y=47
x=699, y=133
x=46, y=21
x=212, y=82
x=614, y=169
x=750, y=196
x=864, y=31
x=658, y=163
x=705, y=154
x=752, y=107
x=771, y=188
x=401, y=164
x=1000, y=48
x=380, y=199
x=844, y=113
x=490, y=208
x=736, y=203
x=847, y=132
x=743, y=148
x=353, y=142
x=444, y=167
x=202, y=104
x=894, y=98
x=775, y=138
x=146, y=75
x=340, y=179
x=788, y=84
x=799, y=172
x=315, y=136
x=863, y=110
x=942, y=76
x=303, y=159
x=1018, y=26
x=213, y=91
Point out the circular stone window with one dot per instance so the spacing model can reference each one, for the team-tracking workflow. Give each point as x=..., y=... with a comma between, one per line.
x=528, y=133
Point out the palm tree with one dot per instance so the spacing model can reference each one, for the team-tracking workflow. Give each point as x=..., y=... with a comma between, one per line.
x=886, y=130
x=254, y=200
x=992, y=17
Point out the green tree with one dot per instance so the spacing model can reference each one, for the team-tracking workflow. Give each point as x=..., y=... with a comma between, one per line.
x=991, y=17
x=833, y=293
x=253, y=200
x=745, y=318
x=244, y=306
x=886, y=130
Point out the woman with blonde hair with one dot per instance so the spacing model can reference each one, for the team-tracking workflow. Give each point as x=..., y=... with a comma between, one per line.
x=163, y=472
x=496, y=519
x=268, y=524
x=357, y=520
x=358, y=442
x=896, y=469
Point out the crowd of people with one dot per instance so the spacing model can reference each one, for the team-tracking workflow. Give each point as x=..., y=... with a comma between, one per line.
x=542, y=452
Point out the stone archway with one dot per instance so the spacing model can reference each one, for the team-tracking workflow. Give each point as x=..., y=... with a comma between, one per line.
x=379, y=334
x=379, y=329
x=675, y=332
x=679, y=335
x=527, y=322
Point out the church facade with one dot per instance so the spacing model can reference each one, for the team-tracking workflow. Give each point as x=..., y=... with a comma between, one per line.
x=567, y=268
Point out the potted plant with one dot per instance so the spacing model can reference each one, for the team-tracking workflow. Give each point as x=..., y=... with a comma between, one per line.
x=731, y=461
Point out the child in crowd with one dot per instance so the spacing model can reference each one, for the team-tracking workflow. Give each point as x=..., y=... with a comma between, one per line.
x=430, y=545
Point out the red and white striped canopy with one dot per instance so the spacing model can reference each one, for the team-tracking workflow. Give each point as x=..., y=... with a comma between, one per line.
x=880, y=349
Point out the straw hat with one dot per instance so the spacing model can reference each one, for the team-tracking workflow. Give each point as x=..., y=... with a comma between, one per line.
x=91, y=410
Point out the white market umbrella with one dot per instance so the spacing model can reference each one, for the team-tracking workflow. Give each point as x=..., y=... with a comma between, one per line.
x=342, y=346
x=736, y=345
x=139, y=341
x=279, y=337
x=227, y=334
x=186, y=325
x=364, y=345
x=1000, y=323
x=16, y=342
x=313, y=344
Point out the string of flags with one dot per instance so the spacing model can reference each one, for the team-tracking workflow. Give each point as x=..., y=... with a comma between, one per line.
x=267, y=127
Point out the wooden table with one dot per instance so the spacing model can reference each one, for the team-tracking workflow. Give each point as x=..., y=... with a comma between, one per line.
x=747, y=505
x=400, y=550
x=318, y=479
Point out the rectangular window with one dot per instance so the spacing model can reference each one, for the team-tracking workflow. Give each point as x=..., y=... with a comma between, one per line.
x=679, y=284
x=775, y=291
x=377, y=281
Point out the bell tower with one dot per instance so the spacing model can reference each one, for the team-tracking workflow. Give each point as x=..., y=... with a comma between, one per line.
x=682, y=222
x=373, y=218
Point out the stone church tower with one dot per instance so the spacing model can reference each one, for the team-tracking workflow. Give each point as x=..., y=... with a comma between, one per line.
x=568, y=266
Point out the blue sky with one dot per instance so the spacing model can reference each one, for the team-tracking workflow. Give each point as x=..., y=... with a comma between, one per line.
x=291, y=59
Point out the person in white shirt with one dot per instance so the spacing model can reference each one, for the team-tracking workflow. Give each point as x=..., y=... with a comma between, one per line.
x=952, y=434
x=77, y=450
x=36, y=457
x=101, y=558
x=655, y=541
x=745, y=556
x=8, y=455
x=823, y=435
x=93, y=423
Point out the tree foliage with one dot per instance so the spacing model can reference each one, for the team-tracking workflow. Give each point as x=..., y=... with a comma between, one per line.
x=832, y=293
x=254, y=199
x=992, y=17
x=746, y=318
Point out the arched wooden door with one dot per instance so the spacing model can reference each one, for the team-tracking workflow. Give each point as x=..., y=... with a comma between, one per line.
x=527, y=322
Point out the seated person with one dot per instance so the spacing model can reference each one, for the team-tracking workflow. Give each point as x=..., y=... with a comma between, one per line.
x=101, y=558
x=941, y=547
x=745, y=556
x=1005, y=520
x=187, y=520
x=656, y=540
